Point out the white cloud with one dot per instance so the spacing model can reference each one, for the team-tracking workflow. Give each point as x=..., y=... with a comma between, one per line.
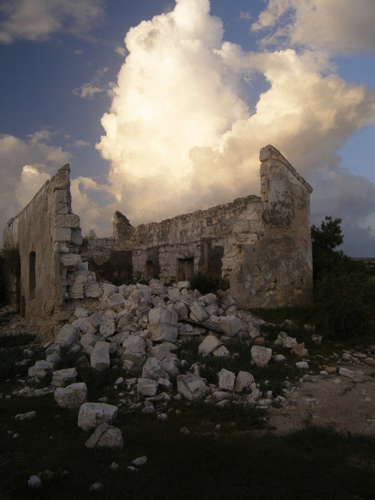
x=246, y=15
x=31, y=181
x=95, y=87
x=38, y=20
x=179, y=134
x=24, y=166
x=92, y=215
x=121, y=51
x=80, y=144
x=336, y=26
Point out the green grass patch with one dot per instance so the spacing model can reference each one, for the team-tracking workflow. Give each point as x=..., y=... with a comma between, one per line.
x=299, y=315
x=16, y=340
x=209, y=463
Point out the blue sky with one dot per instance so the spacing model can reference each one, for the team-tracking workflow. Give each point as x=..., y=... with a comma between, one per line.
x=174, y=122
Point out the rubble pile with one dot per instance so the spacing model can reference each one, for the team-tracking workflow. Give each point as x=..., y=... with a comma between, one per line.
x=138, y=330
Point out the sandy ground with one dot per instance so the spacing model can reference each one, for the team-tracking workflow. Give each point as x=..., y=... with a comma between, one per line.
x=346, y=404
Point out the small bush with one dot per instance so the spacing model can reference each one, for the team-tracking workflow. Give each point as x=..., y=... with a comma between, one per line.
x=344, y=307
x=207, y=285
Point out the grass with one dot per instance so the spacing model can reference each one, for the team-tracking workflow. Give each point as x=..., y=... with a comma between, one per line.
x=233, y=461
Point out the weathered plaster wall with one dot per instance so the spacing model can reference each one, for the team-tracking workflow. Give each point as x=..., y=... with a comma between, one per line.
x=262, y=245
x=48, y=236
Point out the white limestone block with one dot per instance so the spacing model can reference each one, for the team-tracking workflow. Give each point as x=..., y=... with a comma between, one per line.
x=209, y=344
x=199, y=312
x=152, y=369
x=192, y=387
x=221, y=352
x=62, y=378
x=107, y=328
x=261, y=355
x=91, y=415
x=230, y=325
x=147, y=387
x=88, y=342
x=67, y=336
x=106, y=437
x=243, y=381
x=72, y=396
x=226, y=380
x=99, y=357
x=163, y=332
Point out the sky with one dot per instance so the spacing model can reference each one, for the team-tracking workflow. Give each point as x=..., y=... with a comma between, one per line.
x=161, y=106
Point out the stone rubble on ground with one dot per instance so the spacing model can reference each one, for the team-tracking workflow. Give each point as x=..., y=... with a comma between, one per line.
x=140, y=332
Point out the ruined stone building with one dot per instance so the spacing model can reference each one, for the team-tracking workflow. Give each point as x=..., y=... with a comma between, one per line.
x=260, y=245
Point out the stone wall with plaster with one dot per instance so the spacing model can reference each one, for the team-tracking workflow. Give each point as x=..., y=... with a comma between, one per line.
x=48, y=237
x=262, y=245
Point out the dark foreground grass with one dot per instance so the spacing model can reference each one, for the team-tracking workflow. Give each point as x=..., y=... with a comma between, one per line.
x=205, y=464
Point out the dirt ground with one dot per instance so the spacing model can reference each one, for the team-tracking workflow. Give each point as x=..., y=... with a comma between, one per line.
x=344, y=403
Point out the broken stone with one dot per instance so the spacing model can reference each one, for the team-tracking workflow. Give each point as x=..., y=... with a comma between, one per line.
x=99, y=358
x=300, y=351
x=174, y=294
x=226, y=380
x=345, y=372
x=163, y=332
x=302, y=365
x=88, y=342
x=221, y=352
x=106, y=437
x=243, y=381
x=108, y=290
x=135, y=350
x=140, y=461
x=72, y=396
x=153, y=369
x=41, y=370
x=30, y=415
x=92, y=290
x=198, y=312
x=161, y=351
x=192, y=387
x=107, y=328
x=91, y=415
x=147, y=387
x=209, y=344
x=62, y=378
x=34, y=482
x=261, y=355
x=184, y=284
x=230, y=325
x=67, y=336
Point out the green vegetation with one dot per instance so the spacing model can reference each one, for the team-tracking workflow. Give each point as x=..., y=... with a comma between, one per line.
x=344, y=289
x=208, y=285
x=9, y=276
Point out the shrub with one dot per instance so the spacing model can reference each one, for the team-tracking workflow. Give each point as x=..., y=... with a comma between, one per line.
x=344, y=306
x=207, y=285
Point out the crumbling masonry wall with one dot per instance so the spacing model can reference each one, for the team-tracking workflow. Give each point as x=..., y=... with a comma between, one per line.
x=262, y=245
x=48, y=237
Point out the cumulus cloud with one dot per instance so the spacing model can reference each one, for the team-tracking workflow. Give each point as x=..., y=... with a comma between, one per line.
x=180, y=135
x=24, y=167
x=95, y=87
x=93, y=216
x=37, y=20
x=31, y=181
x=331, y=25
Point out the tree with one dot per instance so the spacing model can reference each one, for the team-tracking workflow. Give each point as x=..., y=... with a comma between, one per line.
x=329, y=236
x=327, y=260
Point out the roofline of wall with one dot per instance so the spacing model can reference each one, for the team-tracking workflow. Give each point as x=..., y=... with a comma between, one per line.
x=271, y=153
